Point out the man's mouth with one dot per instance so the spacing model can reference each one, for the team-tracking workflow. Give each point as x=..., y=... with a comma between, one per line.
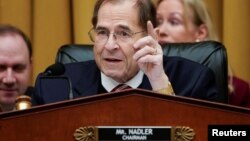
x=112, y=60
x=8, y=92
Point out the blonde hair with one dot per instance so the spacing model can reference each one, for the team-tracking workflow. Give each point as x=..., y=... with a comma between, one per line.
x=201, y=16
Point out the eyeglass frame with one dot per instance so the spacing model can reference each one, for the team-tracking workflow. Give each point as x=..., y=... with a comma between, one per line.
x=90, y=33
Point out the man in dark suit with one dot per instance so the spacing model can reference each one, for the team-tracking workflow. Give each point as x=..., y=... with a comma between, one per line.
x=127, y=52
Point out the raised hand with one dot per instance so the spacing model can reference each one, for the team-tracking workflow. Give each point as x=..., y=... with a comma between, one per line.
x=149, y=56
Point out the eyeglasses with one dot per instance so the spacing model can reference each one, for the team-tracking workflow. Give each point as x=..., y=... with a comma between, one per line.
x=102, y=35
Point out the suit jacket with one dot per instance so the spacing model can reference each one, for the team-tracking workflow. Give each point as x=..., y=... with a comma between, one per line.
x=188, y=78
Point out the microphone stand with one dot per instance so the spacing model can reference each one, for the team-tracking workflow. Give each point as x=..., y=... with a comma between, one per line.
x=71, y=96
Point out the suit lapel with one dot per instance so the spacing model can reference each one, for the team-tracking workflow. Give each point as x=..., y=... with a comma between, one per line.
x=88, y=82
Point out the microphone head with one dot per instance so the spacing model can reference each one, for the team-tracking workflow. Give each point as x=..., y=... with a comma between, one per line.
x=55, y=69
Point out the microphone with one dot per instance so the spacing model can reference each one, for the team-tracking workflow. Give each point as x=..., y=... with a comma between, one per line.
x=54, y=70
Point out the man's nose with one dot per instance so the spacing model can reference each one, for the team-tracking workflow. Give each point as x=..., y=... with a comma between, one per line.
x=9, y=77
x=111, y=42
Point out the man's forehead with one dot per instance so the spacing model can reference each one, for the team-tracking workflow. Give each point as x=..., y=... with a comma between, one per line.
x=122, y=16
x=13, y=46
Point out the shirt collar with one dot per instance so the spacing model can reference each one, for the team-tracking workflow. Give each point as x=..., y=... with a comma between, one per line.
x=109, y=84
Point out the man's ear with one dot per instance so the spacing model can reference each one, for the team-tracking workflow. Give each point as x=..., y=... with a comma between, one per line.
x=201, y=33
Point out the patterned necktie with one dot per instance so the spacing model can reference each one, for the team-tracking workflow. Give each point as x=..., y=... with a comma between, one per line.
x=120, y=87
